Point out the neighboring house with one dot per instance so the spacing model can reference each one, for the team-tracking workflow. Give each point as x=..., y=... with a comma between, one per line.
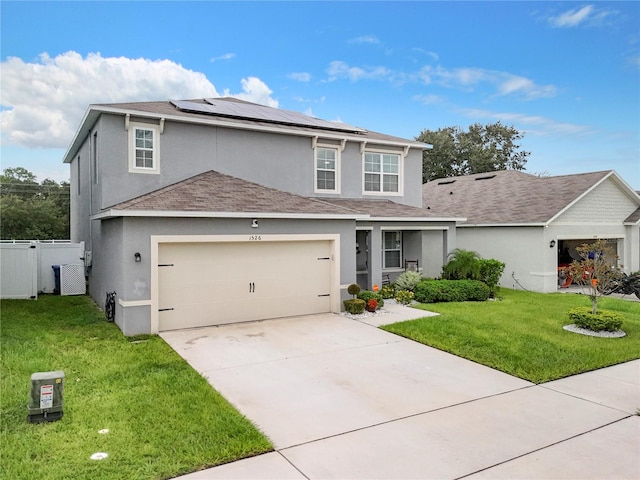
x=212, y=211
x=534, y=224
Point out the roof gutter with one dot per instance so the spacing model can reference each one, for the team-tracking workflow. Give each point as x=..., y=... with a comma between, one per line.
x=116, y=213
x=536, y=224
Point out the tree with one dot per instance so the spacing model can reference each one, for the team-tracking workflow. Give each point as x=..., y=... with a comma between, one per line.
x=596, y=271
x=483, y=148
x=32, y=211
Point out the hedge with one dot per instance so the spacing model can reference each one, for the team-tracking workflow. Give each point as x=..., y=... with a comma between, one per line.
x=434, y=291
x=603, y=320
x=354, y=306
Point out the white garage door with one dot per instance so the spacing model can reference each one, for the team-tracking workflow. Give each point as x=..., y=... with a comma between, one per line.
x=204, y=284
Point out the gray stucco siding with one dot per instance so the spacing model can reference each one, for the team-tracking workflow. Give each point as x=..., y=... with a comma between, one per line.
x=123, y=237
x=80, y=193
x=528, y=261
x=276, y=160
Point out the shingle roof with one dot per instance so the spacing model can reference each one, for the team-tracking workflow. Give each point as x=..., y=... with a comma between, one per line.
x=219, y=193
x=215, y=192
x=506, y=197
x=384, y=208
x=634, y=217
x=166, y=108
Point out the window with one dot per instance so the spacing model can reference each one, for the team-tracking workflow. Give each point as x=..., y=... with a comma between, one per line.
x=143, y=148
x=381, y=172
x=326, y=171
x=391, y=249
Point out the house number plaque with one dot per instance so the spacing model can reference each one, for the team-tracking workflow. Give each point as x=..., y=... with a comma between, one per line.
x=254, y=238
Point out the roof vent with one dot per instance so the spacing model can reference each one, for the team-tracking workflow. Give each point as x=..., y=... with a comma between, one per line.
x=488, y=177
x=446, y=182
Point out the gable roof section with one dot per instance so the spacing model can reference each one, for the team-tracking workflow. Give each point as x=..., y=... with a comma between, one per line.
x=168, y=110
x=509, y=196
x=216, y=194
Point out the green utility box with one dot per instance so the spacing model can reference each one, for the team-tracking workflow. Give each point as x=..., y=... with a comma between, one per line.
x=45, y=400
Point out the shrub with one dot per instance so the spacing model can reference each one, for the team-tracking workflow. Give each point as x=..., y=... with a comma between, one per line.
x=354, y=306
x=603, y=320
x=490, y=273
x=408, y=281
x=404, y=296
x=433, y=291
x=353, y=289
x=367, y=295
x=462, y=264
x=388, y=291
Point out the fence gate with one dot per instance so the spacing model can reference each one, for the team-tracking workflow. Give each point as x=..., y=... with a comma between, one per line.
x=26, y=268
x=18, y=271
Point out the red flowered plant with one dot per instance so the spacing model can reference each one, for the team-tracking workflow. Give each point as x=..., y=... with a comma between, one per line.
x=372, y=305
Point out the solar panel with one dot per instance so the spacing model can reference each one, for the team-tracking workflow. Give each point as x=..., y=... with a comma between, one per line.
x=252, y=111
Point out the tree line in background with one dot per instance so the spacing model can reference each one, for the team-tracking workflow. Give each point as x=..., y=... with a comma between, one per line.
x=30, y=210
x=40, y=211
x=480, y=149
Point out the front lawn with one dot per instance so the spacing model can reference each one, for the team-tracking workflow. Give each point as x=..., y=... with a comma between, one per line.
x=522, y=334
x=163, y=418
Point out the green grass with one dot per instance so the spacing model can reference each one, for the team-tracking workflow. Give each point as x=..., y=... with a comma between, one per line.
x=163, y=418
x=522, y=334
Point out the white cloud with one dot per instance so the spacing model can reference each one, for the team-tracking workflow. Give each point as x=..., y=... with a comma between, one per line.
x=300, y=76
x=365, y=39
x=584, y=16
x=226, y=56
x=468, y=78
x=339, y=69
x=572, y=18
x=256, y=91
x=43, y=101
x=428, y=53
x=534, y=124
x=508, y=84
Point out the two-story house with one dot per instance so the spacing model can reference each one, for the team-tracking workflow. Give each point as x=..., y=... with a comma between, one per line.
x=213, y=211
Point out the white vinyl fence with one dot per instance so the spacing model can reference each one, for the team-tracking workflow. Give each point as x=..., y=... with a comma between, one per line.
x=26, y=268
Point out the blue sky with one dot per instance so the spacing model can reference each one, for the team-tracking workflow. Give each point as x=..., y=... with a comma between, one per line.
x=566, y=74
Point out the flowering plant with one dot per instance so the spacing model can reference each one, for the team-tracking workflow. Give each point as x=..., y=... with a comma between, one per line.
x=372, y=305
x=404, y=297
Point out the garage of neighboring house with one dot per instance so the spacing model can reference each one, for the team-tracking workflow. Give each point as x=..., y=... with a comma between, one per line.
x=568, y=248
x=534, y=224
x=203, y=283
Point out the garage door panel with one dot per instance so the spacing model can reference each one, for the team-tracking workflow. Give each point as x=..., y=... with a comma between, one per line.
x=218, y=283
x=200, y=315
x=201, y=293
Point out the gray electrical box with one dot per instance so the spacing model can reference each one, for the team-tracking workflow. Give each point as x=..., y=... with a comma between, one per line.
x=45, y=399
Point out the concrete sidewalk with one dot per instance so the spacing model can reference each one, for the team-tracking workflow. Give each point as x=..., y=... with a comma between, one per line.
x=342, y=399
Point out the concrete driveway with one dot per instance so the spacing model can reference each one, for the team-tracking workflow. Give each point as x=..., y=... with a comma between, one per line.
x=340, y=398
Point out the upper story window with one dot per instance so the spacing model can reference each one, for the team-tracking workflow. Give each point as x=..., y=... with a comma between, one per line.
x=382, y=172
x=144, y=148
x=327, y=168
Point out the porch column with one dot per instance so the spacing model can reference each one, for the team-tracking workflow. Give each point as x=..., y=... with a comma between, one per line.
x=375, y=252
